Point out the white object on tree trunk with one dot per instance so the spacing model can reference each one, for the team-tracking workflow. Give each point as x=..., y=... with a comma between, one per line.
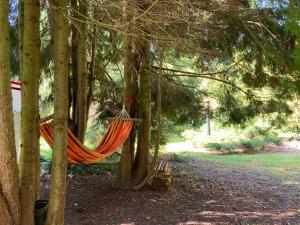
x=16, y=95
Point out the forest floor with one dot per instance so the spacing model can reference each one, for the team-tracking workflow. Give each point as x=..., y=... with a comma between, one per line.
x=203, y=192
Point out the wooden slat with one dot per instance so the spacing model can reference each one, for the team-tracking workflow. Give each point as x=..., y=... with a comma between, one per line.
x=47, y=118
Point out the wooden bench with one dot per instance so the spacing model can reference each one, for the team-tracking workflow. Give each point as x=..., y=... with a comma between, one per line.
x=162, y=178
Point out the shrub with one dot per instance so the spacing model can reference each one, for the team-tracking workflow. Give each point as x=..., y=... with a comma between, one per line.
x=257, y=131
x=273, y=138
x=221, y=146
x=251, y=144
x=214, y=146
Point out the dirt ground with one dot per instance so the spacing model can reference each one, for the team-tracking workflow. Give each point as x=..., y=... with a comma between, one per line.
x=202, y=193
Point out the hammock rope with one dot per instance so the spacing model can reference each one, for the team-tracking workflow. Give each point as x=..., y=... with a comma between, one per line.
x=118, y=131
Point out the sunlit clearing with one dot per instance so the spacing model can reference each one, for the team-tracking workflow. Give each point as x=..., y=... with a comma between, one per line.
x=196, y=223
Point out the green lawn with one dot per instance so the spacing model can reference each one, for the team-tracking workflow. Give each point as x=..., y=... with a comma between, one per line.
x=194, y=143
x=284, y=167
x=277, y=163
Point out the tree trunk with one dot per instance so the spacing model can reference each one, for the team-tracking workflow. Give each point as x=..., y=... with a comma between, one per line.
x=29, y=155
x=21, y=31
x=92, y=71
x=144, y=138
x=82, y=73
x=158, y=129
x=135, y=94
x=9, y=192
x=74, y=56
x=158, y=112
x=124, y=175
x=56, y=208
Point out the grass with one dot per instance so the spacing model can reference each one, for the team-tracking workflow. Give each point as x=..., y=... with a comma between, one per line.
x=283, y=167
x=46, y=151
x=278, y=164
x=253, y=143
x=195, y=144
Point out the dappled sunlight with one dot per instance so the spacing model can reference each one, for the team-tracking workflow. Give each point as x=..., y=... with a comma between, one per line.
x=199, y=136
x=183, y=147
x=248, y=214
x=293, y=144
x=220, y=217
x=292, y=182
x=194, y=140
x=197, y=223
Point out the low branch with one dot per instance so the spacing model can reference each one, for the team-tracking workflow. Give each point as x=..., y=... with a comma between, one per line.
x=189, y=86
x=195, y=74
x=211, y=78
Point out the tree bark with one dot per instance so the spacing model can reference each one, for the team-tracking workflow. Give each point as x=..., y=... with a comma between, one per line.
x=21, y=32
x=29, y=154
x=144, y=138
x=56, y=208
x=135, y=94
x=82, y=73
x=74, y=56
x=125, y=168
x=9, y=192
x=92, y=70
x=158, y=128
x=158, y=112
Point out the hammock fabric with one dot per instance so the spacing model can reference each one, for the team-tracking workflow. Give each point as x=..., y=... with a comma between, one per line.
x=116, y=135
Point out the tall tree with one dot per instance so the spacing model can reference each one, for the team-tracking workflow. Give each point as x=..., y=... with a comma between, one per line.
x=60, y=33
x=124, y=176
x=74, y=74
x=29, y=155
x=9, y=186
x=144, y=137
x=125, y=167
x=82, y=72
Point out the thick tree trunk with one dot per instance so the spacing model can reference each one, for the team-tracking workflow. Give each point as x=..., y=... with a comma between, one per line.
x=158, y=129
x=9, y=186
x=135, y=95
x=125, y=168
x=144, y=138
x=29, y=155
x=56, y=208
x=82, y=73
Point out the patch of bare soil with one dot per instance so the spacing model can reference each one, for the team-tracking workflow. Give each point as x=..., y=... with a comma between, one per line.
x=202, y=193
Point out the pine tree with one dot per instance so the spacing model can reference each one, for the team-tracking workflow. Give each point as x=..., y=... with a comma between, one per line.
x=55, y=215
x=9, y=186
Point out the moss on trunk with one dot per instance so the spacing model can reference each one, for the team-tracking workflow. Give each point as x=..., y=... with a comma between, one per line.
x=29, y=154
x=55, y=215
x=82, y=74
x=144, y=137
x=9, y=186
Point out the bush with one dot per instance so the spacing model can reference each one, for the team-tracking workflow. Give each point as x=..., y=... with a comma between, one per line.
x=257, y=131
x=221, y=146
x=214, y=146
x=273, y=138
x=251, y=144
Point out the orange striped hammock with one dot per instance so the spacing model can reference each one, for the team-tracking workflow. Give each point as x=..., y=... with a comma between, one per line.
x=118, y=131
